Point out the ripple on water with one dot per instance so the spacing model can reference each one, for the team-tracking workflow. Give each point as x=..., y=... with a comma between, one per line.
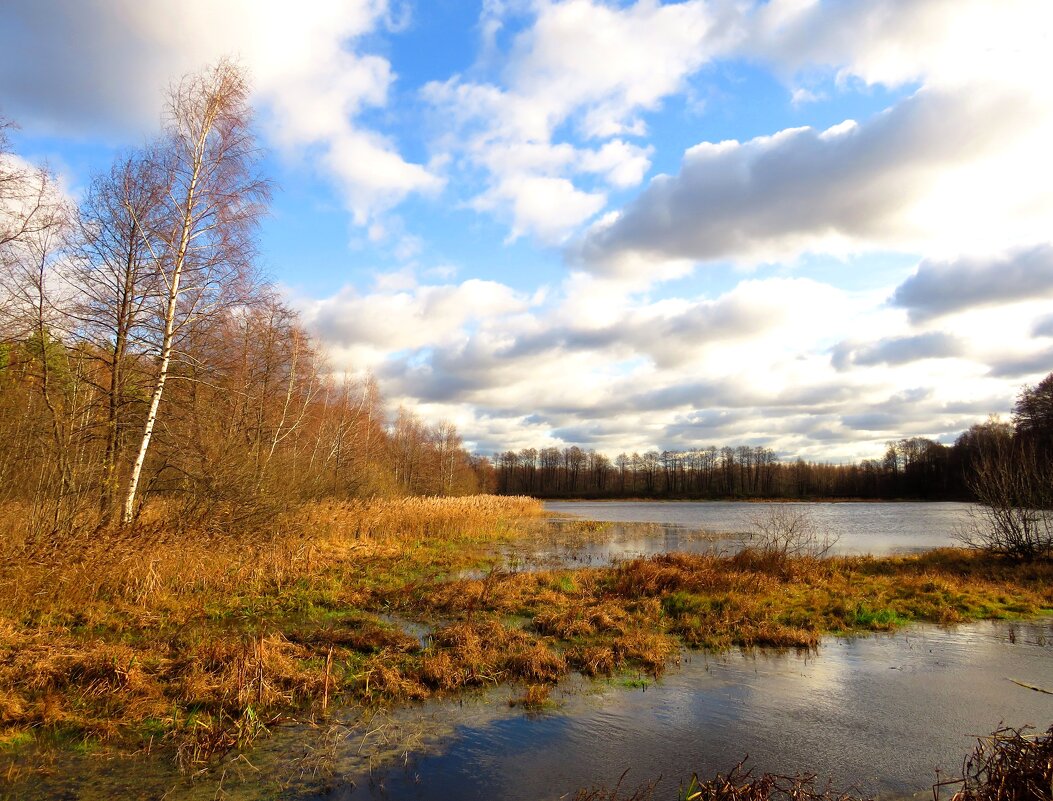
x=881, y=712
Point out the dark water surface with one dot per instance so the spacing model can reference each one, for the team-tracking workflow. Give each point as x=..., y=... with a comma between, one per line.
x=875, y=528
x=881, y=712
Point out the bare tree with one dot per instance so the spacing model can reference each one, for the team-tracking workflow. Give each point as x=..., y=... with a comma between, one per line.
x=786, y=530
x=214, y=198
x=35, y=296
x=1013, y=483
x=121, y=216
x=25, y=194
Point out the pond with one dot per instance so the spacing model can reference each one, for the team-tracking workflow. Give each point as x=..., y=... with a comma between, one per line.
x=716, y=526
x=880, y=712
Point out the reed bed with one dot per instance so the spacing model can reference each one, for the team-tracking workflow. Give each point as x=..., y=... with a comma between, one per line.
x=417, y=517
x=154, y=563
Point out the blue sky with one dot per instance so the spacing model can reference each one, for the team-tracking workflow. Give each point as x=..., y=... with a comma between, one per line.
x=812, y=224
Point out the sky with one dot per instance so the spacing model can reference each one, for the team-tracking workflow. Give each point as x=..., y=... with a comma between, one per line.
x=813, y=225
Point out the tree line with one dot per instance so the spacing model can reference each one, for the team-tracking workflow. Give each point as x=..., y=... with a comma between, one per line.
x=914, y=467
x=143, y=357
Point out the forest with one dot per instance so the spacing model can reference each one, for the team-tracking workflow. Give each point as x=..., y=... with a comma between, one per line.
x=143, y=355
x=912, y=468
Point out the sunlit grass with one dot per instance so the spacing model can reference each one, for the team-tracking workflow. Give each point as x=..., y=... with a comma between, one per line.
x=203, y=641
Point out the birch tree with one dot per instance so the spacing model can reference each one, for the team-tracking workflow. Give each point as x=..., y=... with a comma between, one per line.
x=121, y=216
x=214, y=198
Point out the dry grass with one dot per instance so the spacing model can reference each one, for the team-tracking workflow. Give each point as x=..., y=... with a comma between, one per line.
x=204, y=636
x=203, y=640
x=1008, y=765
x=535, y=697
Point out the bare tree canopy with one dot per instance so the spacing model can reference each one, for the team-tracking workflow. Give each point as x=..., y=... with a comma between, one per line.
x=143, y=360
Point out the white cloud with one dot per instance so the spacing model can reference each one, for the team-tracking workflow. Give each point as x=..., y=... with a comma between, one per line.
x=962, y=165
x=940, y=288
x=947, y=43
x=103, y=66
x=601, y=364
x=586, y=64
x=547, y=207
x=362, y=330
x=936, y=173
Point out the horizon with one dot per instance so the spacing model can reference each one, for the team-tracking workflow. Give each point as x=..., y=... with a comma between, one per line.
x=807, y=226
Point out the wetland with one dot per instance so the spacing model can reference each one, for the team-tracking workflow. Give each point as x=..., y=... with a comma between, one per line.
x=379, y=658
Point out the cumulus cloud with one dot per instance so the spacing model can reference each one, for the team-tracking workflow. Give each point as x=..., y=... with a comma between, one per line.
x=960, y=165
x=677, y=332
x=899, y=350
x=1035, y=364
x=895, y=42
x=522, y=374
x=1043, y=327
x=944, y=287
x=103, y=66
x=364, y=329
x=583, y=64
x=885, y=183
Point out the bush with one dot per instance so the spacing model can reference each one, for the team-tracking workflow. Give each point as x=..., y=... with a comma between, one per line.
x=1013, y=485
x=786, y=530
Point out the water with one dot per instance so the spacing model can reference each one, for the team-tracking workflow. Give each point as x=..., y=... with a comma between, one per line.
x=716, y=526
x=880, y=712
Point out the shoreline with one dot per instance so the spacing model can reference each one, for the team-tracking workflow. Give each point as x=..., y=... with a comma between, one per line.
x=817, y=500
x=530, y=628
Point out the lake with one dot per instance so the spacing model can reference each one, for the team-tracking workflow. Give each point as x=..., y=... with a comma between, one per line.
x=716, y=526
x=882, y=712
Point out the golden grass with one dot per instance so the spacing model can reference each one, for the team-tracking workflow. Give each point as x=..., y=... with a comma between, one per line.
x=203, y=639
x=152, y=566
x=159, y=630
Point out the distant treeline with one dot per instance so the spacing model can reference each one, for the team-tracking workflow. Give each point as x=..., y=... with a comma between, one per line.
x=914, y=467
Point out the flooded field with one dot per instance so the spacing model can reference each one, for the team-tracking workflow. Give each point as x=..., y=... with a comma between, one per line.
x=883, y=712
x=880, y=713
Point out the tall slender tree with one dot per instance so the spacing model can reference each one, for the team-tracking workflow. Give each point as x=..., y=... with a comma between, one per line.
x=214, y=198
x=121, y=216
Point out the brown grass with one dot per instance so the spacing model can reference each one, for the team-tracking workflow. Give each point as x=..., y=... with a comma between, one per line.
x=204, y=636
x=204, y=640
x=535, y=697
x=1009, y=765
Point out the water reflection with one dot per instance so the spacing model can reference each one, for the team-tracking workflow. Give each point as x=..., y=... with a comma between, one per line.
x=642, y=528
x=880, y=712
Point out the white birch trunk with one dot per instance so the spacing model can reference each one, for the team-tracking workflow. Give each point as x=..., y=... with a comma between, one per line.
x=128, y=512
